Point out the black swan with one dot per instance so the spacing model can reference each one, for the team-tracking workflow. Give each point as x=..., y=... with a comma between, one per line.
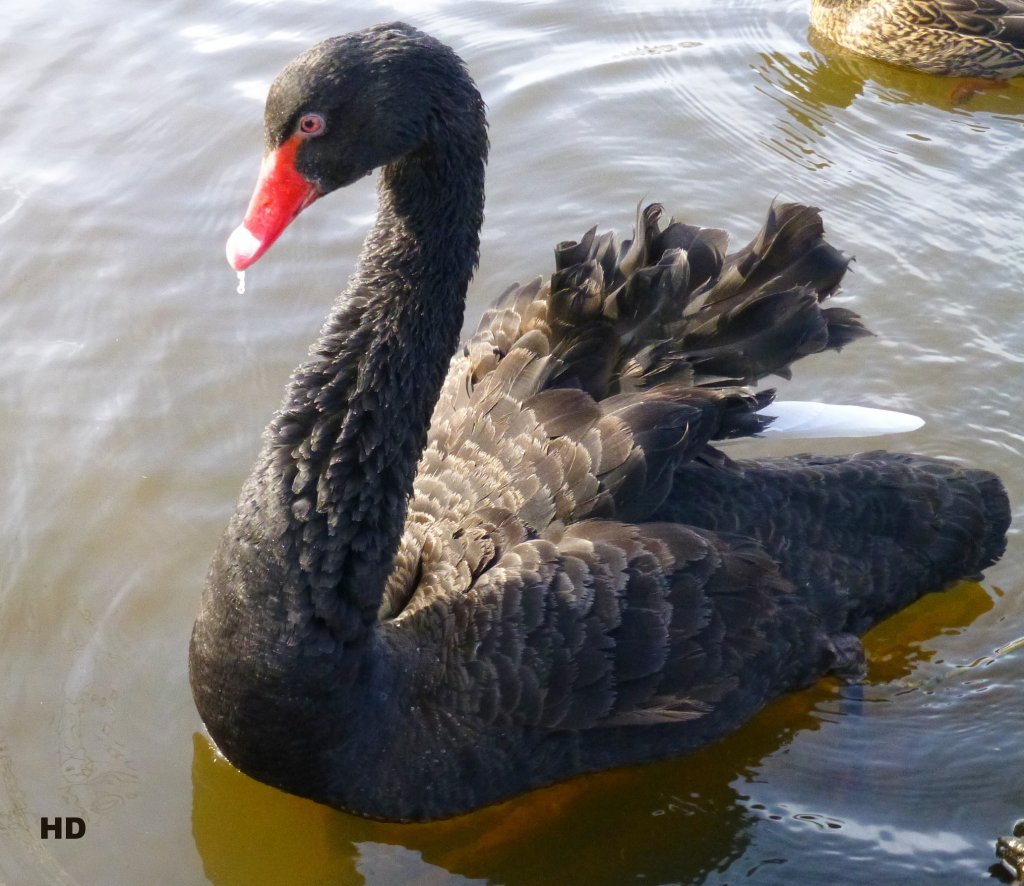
x=450, y=579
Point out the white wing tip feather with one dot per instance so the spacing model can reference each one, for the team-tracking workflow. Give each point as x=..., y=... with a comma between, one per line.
x=796, y=418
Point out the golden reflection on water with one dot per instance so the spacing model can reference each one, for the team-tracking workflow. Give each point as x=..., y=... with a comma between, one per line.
x=675, y=820
x=813, y=84
x=895, y=645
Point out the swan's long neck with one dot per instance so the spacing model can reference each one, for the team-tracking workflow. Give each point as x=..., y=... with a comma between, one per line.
x=355, y=420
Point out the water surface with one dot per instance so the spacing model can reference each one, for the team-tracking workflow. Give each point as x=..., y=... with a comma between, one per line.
x=136, y=382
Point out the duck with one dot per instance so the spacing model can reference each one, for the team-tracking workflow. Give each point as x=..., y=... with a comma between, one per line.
x=1010, y=852
x=460, y=572
x=964, y=38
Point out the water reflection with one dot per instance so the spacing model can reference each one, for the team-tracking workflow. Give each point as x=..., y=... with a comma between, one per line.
x=811, y=85
x=671, y=821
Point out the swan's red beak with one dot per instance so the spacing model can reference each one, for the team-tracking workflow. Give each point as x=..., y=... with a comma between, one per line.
x=281, y=194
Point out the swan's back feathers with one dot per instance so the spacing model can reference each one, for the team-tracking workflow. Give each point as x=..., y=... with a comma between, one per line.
x=580, y=396
x=669, y=305
x=894, y=526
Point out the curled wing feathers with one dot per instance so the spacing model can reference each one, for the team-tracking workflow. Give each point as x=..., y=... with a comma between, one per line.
x=580, y=396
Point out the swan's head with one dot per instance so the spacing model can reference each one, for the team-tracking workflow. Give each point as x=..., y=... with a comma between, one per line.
x=340, y=110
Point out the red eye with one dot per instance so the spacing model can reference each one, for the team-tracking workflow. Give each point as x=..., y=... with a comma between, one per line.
x=311, y=124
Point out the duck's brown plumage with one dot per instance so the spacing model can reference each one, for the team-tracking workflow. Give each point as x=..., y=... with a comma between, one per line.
x=967, y=38
x=562, y=574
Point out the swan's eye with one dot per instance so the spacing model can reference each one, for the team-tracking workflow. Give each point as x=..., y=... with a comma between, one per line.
x=311, y=124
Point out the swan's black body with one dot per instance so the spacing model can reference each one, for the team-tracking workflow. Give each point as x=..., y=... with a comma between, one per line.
x=561, y=575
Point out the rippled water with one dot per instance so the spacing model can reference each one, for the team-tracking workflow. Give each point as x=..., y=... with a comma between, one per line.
x=136, y=382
